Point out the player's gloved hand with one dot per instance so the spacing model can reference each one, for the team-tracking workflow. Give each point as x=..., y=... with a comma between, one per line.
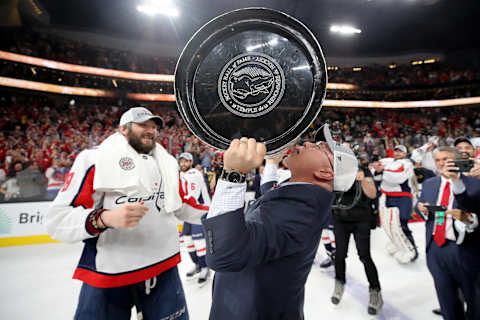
x=244, y=155
x=126, y=215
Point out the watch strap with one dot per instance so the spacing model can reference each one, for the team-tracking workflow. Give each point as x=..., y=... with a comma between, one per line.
x=233, y=176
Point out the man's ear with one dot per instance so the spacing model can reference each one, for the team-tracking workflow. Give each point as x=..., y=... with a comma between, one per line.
x=123, y=130
x=325, y=175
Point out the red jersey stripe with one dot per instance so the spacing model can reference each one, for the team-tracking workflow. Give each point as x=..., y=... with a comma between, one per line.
x=100, y=280
x=396, y=193
x=84, y=195
x=401, y=169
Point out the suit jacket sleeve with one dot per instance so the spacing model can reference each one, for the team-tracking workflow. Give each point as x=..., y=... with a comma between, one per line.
x=267, y=186
x=420, y=199
x=234, y=244
x=465, y=202
x=469, y=200
x=424, y=197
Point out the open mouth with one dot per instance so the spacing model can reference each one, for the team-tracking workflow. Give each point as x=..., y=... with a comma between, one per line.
x=147, y=141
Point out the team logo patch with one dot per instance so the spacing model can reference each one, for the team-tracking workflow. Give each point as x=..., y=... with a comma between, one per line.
x=251, y=85
x=126, y=163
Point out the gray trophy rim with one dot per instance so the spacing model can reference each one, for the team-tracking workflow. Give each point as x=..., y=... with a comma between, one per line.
x=317, y=52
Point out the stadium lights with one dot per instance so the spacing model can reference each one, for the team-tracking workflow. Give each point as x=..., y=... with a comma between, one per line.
x=152, y=8
x=414, y=63
x=345, y=30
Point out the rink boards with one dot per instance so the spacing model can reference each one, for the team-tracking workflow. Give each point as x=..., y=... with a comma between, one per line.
x=22, y=223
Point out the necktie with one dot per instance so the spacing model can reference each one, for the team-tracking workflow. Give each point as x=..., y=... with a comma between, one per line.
x=440, y=217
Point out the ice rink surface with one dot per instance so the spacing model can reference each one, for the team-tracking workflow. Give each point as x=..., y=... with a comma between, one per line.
x=36, y=284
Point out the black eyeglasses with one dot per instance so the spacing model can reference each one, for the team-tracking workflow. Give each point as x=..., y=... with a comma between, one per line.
x=321, y=145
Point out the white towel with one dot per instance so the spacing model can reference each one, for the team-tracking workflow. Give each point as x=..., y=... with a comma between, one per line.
x=109, y=175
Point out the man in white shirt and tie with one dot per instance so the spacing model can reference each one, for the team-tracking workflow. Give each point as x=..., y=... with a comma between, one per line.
x=443, y=234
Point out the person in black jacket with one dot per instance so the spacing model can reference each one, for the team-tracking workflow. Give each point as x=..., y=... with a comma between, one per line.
x=357, y=220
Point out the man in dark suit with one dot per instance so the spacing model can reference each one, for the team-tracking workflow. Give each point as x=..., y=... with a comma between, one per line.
x=466, y=187
x=442, y=238
x=262, y=258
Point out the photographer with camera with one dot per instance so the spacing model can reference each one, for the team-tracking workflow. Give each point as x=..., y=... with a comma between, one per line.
x=466, y=188
x=355, y=216
x=445, y=237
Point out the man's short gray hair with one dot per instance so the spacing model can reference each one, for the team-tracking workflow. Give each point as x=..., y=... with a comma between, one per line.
x=127, y=126
x=452, y=150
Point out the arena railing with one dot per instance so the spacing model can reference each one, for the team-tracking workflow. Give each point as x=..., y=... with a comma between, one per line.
x=53, y=88
x=15, y=57
x=51, y=64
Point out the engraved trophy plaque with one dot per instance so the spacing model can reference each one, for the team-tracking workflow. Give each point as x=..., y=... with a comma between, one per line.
x=252, y=72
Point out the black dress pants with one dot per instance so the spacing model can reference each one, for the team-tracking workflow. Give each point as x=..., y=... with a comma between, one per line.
x=361, y=234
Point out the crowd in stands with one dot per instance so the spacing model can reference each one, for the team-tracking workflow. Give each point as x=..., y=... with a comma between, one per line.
x=439, y=75
x=53, y=76
x=42, y=45
x=435, y=93
x=45, y=75
x=40, y=135
x=402, y=76
x=44, y=134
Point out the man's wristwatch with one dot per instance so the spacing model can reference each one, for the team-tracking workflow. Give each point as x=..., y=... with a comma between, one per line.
x=233, y=176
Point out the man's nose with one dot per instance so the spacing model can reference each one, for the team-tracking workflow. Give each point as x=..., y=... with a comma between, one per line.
x=308, y=144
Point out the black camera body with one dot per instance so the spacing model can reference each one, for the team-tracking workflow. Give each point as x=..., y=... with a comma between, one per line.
x=435, y=208
x=464, y=165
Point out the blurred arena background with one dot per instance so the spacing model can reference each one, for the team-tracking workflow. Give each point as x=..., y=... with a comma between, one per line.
x=399, y=72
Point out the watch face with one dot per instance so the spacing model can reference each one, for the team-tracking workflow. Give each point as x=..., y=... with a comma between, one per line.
x=234, y=177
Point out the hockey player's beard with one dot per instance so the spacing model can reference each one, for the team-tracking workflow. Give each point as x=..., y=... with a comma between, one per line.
x=185, y=168
x=465, y=155
x=137, y=144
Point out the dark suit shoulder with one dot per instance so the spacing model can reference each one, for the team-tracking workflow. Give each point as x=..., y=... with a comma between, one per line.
x=432, y=180
x=311, y=194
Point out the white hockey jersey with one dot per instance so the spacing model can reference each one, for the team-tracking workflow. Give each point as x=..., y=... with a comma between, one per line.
x=194, y=185
x=397, y=177
x=119, y=257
